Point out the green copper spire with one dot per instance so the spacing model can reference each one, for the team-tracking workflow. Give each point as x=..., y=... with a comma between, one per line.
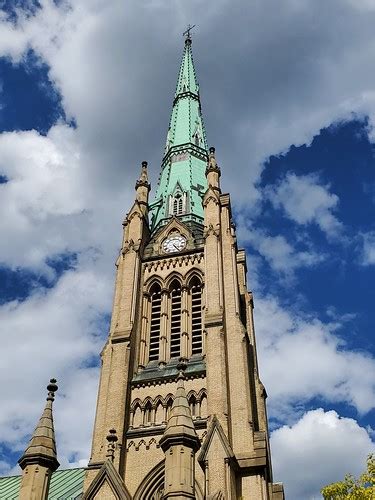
x=182, y=182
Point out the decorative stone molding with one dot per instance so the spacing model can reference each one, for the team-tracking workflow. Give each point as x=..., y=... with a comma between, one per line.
x=128, y=246
x=173, y=262
x=211, y=231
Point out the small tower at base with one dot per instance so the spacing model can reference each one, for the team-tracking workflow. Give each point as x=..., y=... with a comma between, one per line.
x=39, y=459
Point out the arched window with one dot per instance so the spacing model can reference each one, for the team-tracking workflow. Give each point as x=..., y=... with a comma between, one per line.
x=193, y=405
x=148, y=414
x=203, y=407
x=178, y=205
x=159, y=413
x=155, y=293
x=178, y=202
x=169, y=407
x=175, y=339
x=196, y=316
x=137, y=419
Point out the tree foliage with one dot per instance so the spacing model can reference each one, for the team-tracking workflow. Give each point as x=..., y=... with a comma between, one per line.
x=351, y=488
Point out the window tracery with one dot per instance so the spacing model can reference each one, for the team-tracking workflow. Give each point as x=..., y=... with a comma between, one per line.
x=174, y=317
x=178, y=202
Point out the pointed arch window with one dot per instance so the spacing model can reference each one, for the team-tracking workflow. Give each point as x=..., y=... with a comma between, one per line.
x=175, y=325
x=178, y=205
x=178, y=202
x=154, y=336
x=180, y=333
x=196, y=316
x=193, y=405
x=148, y=414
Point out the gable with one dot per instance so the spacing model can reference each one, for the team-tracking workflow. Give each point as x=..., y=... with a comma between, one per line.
x=107, y=485
x=215, y=439
x=174, y=226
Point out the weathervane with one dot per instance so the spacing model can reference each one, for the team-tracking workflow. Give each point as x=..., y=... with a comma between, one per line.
x=187, y=32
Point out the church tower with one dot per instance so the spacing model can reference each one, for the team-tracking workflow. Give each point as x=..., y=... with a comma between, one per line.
x=181, y=410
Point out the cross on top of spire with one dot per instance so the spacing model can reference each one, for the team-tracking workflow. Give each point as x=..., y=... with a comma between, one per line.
x=187, y=33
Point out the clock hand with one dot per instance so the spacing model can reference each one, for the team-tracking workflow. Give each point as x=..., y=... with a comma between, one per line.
x=176, y=247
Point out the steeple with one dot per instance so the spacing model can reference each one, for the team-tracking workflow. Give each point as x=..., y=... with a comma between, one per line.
x=181, y=301
x=40, y=459
x=183, y=166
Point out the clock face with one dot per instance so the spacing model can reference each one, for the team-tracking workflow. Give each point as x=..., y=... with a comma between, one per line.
x=174, y=243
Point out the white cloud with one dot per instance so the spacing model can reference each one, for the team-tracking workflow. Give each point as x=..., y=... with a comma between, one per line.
x=54, y=333
x=302, y=358
x=368, y=249
x=277, y=251
x=305, y=201
x=317, y=450
x=285, y=74
x=50, y=204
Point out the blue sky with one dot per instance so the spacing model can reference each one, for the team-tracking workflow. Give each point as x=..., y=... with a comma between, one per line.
x=288, y=101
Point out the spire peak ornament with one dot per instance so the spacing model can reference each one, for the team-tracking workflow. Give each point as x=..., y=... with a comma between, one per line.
x=187, y=33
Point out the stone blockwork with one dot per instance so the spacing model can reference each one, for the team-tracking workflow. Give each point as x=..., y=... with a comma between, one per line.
x=180, y=381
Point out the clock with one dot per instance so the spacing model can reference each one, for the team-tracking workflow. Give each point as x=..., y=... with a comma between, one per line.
x=174, y=243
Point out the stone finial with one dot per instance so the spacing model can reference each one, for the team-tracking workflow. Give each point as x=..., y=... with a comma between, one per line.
x=112, y=440
x=142, y=187
x=42, y=446
x=52, y=388
x=213, y=171
x=143, y=178
x=144, y=173
x=212, y=160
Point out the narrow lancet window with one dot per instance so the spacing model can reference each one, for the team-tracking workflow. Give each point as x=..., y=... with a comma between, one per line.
x=155, y=293
x=178, y=205
x=178, y=202
x=175, y=339
x=196, y=316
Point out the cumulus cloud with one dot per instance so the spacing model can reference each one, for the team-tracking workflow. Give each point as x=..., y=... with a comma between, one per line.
x=50, y=202
x=297, y=73
x=282, y=256
x=282, y=75
x=303, y=358
x=54, y=333
x=317, y=450
x=368, y=248
x=305, y=201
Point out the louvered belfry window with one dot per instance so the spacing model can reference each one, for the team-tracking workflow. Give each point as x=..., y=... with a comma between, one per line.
x=155, y=322
x=175, y=339
x=171, y=310
x=178, y=205
x=196, y=316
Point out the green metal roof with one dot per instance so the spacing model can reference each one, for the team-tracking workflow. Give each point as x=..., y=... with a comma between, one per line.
x=184, y=162
x=65, y=485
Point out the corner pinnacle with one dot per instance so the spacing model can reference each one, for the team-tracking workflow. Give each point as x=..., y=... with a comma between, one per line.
x=42, y=446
